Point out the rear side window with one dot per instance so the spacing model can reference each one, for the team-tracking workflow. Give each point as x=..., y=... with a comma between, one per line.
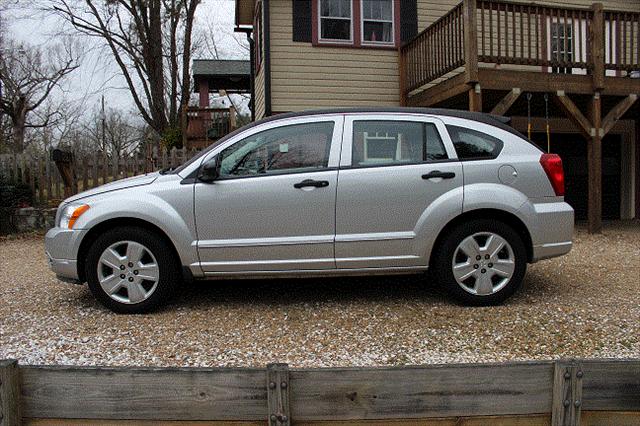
x=474, y=145
x=395, y=142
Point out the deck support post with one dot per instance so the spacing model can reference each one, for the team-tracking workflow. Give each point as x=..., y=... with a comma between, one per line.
x=470, y=27
x=637, y=165
x=475, y=98
x=402, y=69
x=594, y=163
x=597, y=46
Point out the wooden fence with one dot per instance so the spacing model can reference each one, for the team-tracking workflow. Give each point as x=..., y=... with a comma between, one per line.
x=562, y=392
x=42, y=175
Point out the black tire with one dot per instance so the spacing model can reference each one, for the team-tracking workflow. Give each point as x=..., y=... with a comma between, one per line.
x=443, y=258
x=168, y=265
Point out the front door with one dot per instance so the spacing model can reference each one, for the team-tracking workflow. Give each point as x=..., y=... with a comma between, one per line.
x=273, y=207
x=395, y=174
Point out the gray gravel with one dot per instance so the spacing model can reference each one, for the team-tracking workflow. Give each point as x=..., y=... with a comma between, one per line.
x=586, y=304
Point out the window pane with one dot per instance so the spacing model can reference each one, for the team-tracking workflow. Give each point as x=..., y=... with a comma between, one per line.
x=378, y=31
x=377, y=9
x=394, y=142
x=435, y=147
x=335, y=8
x=473, y=144
x=335, y=29
x=302, y=147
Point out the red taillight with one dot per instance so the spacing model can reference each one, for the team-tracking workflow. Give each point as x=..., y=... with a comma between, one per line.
x=552, y=165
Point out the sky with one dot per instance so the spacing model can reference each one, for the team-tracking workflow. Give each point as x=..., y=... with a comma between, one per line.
x=98, y=74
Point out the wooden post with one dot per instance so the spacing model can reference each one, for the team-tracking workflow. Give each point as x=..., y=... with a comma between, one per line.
x=475, y=98
x=596, y=36
x=9, y=394
x=637, y=147
x=470, y=41
x=278, y=395
x=233, y=122
x=594, y=163
x=567, y=393
x=402, y=70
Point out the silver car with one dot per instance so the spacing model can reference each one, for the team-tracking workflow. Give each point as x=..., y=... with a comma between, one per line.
x=325, y=193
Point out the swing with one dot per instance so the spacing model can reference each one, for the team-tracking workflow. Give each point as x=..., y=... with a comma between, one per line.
x=546, y=118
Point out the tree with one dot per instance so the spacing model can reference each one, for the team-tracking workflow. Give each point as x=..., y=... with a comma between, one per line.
x=27, y=80
x=150, y=42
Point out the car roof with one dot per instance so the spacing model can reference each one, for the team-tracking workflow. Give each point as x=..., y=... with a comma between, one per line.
x=498, y=121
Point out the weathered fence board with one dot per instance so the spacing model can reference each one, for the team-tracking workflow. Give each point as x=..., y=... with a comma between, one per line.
x=92, y=170
x=441, y=391
x=522, y=393
x=142, y=393
x=10, y=414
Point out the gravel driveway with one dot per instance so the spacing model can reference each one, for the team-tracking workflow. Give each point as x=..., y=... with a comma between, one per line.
x=586, y=304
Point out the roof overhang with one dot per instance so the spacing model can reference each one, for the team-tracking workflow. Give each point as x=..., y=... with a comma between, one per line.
x=244, y=12
x=232, y=76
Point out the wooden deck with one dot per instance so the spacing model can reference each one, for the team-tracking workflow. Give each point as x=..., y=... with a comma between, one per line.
x=206, y=125
x=491, y=46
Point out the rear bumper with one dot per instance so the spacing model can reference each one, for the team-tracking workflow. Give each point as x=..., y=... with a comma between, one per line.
x=551, y=225
x=61, y=247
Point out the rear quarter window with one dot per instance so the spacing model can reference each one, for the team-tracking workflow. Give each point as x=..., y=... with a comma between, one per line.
x=474, y=145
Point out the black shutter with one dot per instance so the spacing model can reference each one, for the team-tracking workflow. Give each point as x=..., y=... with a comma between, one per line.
x=302, y=20
x=408, y=19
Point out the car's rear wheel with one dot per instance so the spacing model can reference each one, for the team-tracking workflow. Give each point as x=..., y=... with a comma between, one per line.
x=481, y=262
x=131, y=270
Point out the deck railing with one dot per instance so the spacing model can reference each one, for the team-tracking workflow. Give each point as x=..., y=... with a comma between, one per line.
x=209, y=123
x=556, y=39
x=622, y=48
x=435, y=51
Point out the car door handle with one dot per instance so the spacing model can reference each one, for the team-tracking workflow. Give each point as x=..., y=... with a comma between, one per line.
x=311, y=182
x=439, y=174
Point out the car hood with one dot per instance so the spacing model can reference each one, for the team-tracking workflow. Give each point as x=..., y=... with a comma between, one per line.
x=113, y=186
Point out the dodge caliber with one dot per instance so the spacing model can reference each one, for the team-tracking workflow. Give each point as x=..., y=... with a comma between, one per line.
x=325, y=193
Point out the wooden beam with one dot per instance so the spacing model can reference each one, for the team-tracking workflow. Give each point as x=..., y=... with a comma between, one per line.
x=440, y=92
x=402, y=71
x=597, y=46
x=574, y=114
x=503, y=106
x=470, y=25
x=475, y=98
x=637, y=148
x=594, y=165
x=10, y=414
x=617, y=112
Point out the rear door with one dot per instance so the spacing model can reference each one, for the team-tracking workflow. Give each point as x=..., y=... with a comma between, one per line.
x=394, y=169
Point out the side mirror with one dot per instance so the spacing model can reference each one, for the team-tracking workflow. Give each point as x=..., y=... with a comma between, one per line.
x=209, y=171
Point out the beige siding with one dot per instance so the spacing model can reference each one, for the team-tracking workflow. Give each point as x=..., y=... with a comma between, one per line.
x=259, y=94
x=304, y=76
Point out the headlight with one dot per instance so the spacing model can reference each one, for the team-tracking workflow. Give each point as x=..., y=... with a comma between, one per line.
x=71, y=213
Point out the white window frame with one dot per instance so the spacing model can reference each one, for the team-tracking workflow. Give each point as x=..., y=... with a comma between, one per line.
x=335, y=40
x=393, y=27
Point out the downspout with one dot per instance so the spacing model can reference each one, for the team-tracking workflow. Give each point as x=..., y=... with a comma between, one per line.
x=266, y=28
x=252, y=73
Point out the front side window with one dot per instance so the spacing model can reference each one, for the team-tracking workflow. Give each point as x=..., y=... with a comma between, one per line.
x=471, y=144
x=377, y=21
x=286, y=149
x=335, y=20
x=395, y=142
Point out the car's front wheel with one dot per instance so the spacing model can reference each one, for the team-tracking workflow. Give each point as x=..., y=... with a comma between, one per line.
x=481, y=262
x=131, y=270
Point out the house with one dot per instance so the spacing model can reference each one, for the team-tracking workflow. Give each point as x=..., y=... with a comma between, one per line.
x=566, y=71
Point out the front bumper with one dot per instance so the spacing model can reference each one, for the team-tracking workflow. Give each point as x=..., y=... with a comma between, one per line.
x=61, y=246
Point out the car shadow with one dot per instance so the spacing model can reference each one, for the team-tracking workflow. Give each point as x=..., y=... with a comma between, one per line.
x=295, y=291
